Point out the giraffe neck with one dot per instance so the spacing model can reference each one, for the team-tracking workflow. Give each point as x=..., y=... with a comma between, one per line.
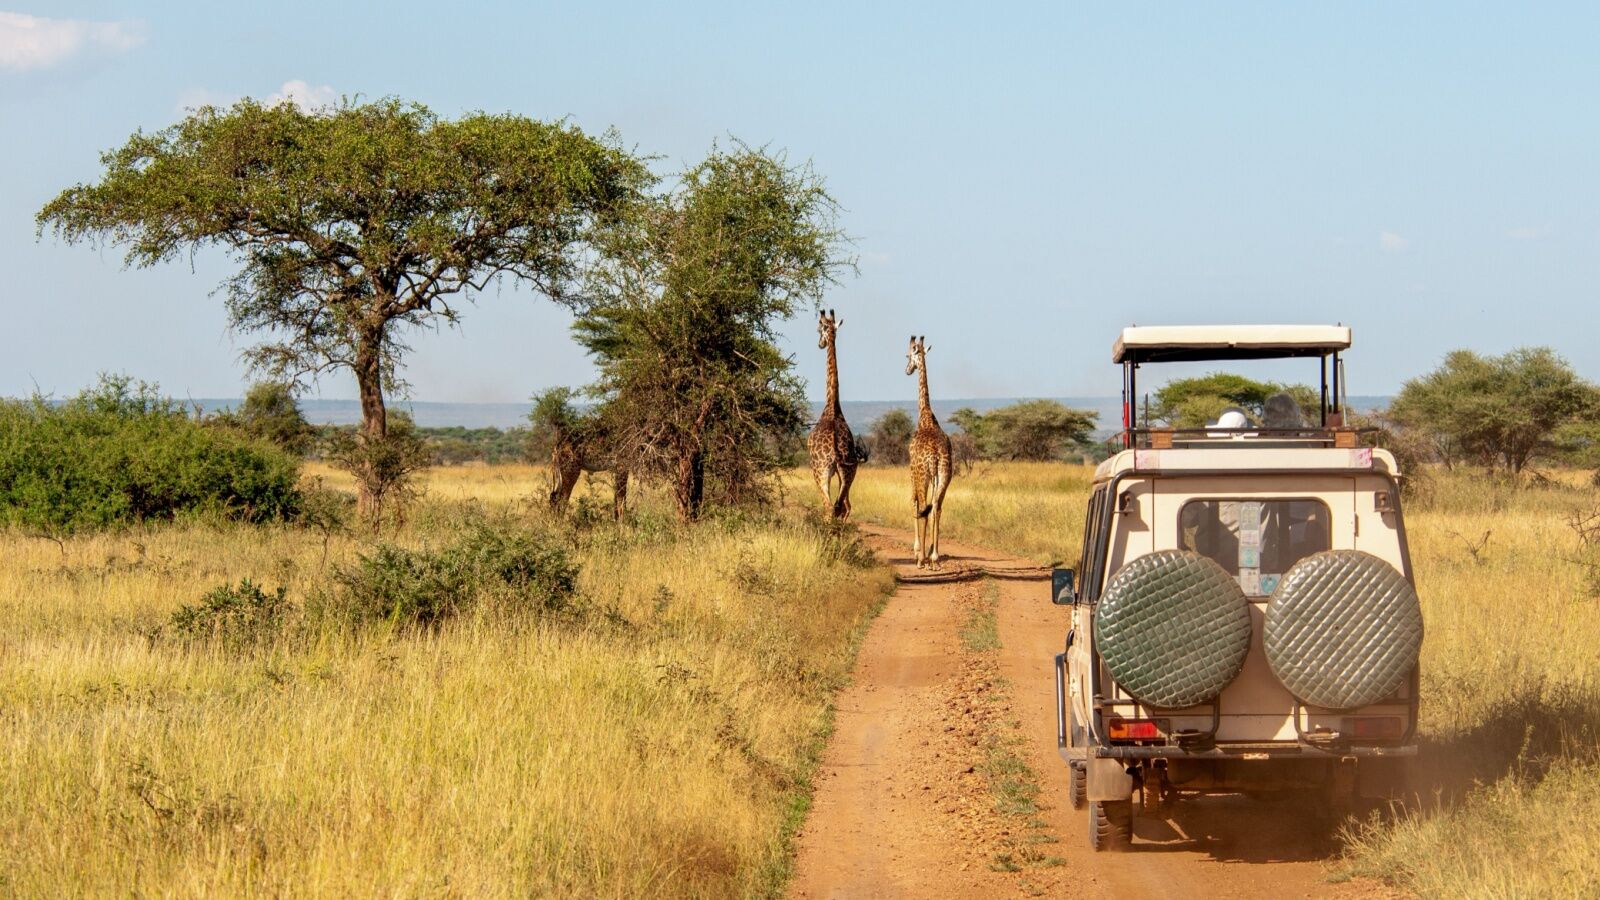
x=833, y=381
x=924, y=408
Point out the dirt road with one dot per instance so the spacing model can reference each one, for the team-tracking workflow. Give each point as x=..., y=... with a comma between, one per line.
x=905, y=804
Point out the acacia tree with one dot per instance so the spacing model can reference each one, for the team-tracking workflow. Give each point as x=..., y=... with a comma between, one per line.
x=891, y=437
x=1194, y=402
x=682, y=318
x=1497, y=409
x=354, y=222
x=1028, y=429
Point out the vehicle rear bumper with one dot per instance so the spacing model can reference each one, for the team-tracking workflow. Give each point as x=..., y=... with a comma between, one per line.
x=1243, y=751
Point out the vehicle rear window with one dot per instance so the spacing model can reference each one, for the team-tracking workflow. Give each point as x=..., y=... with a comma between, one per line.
x=1255, y=541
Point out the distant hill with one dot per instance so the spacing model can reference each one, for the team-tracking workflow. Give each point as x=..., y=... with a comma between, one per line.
x=860, y=413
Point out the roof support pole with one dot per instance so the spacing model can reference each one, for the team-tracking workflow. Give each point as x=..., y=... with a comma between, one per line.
x=1324, y=403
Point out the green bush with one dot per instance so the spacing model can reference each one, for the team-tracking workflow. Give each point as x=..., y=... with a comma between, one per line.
x=519, y=570
x=239, y=616
x=119, y=453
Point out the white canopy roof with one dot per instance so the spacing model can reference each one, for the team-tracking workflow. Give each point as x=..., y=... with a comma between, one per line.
x=1188, y=343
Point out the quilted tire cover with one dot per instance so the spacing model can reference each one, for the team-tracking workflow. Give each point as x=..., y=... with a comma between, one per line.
x=1173, y=628
x=1343, y=629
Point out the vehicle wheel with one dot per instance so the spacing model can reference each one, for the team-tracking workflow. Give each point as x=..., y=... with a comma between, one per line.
x=1110, y=825
x=1078, y=779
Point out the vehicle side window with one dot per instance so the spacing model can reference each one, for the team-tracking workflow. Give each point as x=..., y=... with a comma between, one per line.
x=1092, y=566
x=1255, y=541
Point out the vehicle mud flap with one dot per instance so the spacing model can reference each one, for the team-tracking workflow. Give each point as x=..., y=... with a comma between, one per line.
x=1384, y=779
x=1108, y=779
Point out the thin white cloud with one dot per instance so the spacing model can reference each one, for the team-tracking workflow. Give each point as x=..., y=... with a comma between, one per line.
x=194, y=98
x=300, y=93
x=1390, y=242
x=35, y=42
x=303, y=95
x=1528, y=233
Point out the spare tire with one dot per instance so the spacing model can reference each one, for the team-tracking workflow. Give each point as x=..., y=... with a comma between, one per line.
x=1343, y=629
x=1173, y=628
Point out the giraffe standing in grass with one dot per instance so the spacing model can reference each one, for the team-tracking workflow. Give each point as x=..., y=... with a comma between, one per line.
x=833, y=448
x=930, y=462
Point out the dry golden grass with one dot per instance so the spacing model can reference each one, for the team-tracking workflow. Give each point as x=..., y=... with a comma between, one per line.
x=1030, y=509
x=659, y=745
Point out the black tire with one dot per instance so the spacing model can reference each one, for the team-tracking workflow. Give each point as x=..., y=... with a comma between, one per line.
x=1078, y=779
x=1110, y=825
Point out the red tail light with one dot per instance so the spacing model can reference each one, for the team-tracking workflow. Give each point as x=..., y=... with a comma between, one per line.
x=1374, y=728
x=1134, y=729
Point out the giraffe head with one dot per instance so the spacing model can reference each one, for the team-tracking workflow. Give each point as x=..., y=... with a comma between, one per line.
x=917, y=356
x=827, y=327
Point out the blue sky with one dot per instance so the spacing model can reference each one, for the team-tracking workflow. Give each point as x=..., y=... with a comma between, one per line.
x=1021, y=180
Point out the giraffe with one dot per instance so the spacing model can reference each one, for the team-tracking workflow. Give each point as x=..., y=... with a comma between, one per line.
x=930, y=462
x=833, y=448
x=578, y=449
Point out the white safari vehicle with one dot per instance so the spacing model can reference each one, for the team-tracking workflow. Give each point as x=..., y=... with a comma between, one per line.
x=1243, y=616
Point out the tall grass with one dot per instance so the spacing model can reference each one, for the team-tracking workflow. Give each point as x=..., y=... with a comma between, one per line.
x=656, y=742
x=1029, y=509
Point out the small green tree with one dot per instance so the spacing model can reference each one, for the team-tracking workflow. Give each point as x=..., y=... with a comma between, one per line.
x=1031, y=429
x=1497, y=410
x=683, y=314
x=353, y=223
x=1195, y=402
x=890, y=438
x=1037, y=429
x=271, y=412
x=971, y=423
x=553, y=415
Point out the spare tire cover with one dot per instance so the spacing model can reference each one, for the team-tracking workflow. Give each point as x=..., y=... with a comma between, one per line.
x=1173, y=629
x=1343, y=629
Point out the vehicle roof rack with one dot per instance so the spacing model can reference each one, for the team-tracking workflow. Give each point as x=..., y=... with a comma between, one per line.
x=1202, y=343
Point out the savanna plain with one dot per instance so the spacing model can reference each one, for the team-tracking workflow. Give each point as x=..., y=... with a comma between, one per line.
x=650, y=722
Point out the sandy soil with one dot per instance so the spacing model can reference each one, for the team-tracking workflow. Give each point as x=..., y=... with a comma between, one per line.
x=903, y=808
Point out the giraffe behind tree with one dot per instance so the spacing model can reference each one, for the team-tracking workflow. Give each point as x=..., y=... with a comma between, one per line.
x=930, y=461
x=832, y=445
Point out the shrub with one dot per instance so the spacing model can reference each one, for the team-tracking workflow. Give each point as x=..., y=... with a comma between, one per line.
x=237, y=617
x=271, y=413
x=387, y=467
x=517, y=569
x=119, y=453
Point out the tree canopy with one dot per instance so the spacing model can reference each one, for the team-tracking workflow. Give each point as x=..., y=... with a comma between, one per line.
x=890, y=437
x=682, y=319
x=271, y=412
x=1030, y=429
x=1498, y=410
x=352, y=222
x=1193, y=402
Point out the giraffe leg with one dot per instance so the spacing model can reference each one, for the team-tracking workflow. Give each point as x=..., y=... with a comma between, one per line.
x=619, y=497
x=823, y=475
x=916, y=511
x=933, y=520
x=841, y=508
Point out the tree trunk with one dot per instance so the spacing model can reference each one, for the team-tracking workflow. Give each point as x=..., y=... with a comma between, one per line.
x=691, y=486
x=374, y=420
